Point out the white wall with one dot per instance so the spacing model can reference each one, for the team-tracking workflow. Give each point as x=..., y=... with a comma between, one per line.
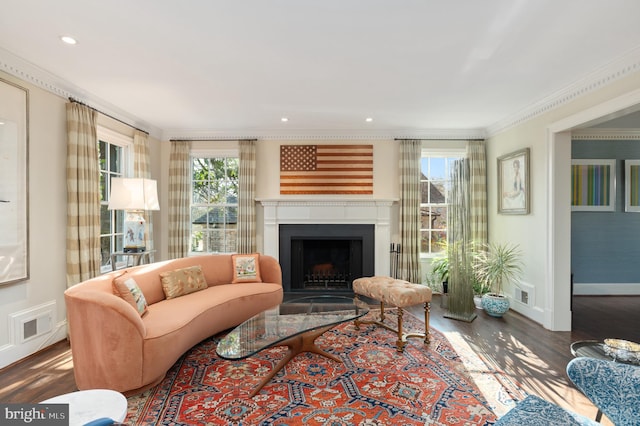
x=47, y=219
x=544, y=234
x=47, y=226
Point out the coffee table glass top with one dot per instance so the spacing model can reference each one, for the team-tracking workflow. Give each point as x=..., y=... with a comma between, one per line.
x=291, y=318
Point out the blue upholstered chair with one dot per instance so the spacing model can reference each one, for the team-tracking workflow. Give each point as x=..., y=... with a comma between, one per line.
x=613, y=388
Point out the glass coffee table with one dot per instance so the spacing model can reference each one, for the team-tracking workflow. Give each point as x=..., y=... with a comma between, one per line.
x=296, y=324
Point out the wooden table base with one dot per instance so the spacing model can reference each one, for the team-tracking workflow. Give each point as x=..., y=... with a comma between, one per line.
x=304, y=342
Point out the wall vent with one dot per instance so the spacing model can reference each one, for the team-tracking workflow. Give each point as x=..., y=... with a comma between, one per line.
x=524, y=295
x=34, y=322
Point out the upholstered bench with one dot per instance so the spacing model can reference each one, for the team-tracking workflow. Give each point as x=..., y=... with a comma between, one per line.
x=398, y=293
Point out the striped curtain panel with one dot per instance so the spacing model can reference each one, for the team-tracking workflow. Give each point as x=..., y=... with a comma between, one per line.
x=246, y=236
x=409, y=261
x=179, y=199
x=83, y=195
x=477, y=191
x=142, y=169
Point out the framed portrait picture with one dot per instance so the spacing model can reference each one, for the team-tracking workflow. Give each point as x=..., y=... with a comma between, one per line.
x=593, y=185
x=14, y=238
x=513, y=183
x=632, y=185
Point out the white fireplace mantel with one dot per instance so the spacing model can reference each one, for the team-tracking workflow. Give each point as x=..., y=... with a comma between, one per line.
x=337, y=211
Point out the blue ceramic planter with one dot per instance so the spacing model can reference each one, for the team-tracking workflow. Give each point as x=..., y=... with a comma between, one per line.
x=495, y=305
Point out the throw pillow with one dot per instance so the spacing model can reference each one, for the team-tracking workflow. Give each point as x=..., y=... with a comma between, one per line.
x=246, y=268
x=127, y=288
x=183, y=281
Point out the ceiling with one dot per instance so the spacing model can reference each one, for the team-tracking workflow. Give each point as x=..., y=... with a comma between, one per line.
x=209, y=67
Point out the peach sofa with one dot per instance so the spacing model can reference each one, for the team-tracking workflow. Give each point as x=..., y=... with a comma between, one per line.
x=114, y=347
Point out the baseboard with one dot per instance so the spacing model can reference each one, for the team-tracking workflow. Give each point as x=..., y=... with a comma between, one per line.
x=606, y=289
x=12, y=353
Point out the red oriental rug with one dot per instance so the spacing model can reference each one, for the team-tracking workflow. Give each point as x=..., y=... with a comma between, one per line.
x=374, y=386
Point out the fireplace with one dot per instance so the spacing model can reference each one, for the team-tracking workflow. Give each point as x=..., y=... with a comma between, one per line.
x=325, y=257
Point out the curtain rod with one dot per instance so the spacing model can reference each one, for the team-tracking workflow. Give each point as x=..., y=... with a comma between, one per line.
x=436, y=139
x=107, y=115
x=211, y=140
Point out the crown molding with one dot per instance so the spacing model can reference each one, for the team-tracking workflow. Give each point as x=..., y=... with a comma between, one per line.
x=605, y=134
x=297, y=134
x=26, y=71
x=615, y=70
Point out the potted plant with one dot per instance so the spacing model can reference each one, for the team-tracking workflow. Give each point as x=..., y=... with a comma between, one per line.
x=495, y=265
x=480, y=288
x=440, y=268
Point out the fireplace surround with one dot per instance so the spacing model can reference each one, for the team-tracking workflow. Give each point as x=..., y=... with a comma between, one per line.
x=375, y=213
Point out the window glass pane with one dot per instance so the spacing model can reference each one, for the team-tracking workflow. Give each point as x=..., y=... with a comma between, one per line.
x=115, y=158
x=105, y=220
x=105, y=251
x=103, y=187
x=435, y=186
x=437, y=169
x=214, y=204
x=102, y=153
x=200, y=192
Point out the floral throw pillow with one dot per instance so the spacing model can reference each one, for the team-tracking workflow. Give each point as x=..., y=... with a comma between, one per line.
x=183, y=281
x=127, y=288
x=246, y=268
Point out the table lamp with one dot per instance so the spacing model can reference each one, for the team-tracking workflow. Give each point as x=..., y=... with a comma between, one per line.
x=134, y=196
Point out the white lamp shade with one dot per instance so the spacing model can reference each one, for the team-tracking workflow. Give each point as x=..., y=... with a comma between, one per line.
x=133, y=194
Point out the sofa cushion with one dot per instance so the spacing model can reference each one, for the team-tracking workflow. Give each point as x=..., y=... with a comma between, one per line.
x=183, y=281
x=127, y=288
x=246, y=268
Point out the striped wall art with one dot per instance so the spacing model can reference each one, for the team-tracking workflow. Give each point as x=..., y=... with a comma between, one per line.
x=593, y=185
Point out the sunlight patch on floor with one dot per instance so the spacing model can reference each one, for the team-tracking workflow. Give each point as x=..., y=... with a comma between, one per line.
x=490, y=381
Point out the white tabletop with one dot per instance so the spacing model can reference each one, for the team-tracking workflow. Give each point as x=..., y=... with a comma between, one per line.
x=89, y=405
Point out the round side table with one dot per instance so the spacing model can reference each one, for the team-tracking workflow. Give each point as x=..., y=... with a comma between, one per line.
x=88, y=405
x=590, y=349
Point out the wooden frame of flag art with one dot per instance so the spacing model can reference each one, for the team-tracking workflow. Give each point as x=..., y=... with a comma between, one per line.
x=326, y=169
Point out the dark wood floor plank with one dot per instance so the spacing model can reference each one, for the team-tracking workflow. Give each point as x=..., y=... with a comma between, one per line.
x=534, y=357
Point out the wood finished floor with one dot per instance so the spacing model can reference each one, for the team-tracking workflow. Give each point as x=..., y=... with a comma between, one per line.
x=536, y=358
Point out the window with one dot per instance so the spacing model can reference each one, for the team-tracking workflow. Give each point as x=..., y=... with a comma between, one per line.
x=214, y=204
x=435, y=182
x=114, y=162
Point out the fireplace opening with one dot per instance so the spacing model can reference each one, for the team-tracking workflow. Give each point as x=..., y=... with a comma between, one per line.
x=325, y=258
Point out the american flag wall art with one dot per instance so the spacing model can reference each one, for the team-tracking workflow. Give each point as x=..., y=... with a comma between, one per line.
x=326, y=169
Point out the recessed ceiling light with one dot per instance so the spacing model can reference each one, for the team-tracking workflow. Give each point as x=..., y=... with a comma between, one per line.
x=68, y=39
x=284, y=119
x=368, y=119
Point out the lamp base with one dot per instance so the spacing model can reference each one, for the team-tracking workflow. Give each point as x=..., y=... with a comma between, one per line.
x=134, y=228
